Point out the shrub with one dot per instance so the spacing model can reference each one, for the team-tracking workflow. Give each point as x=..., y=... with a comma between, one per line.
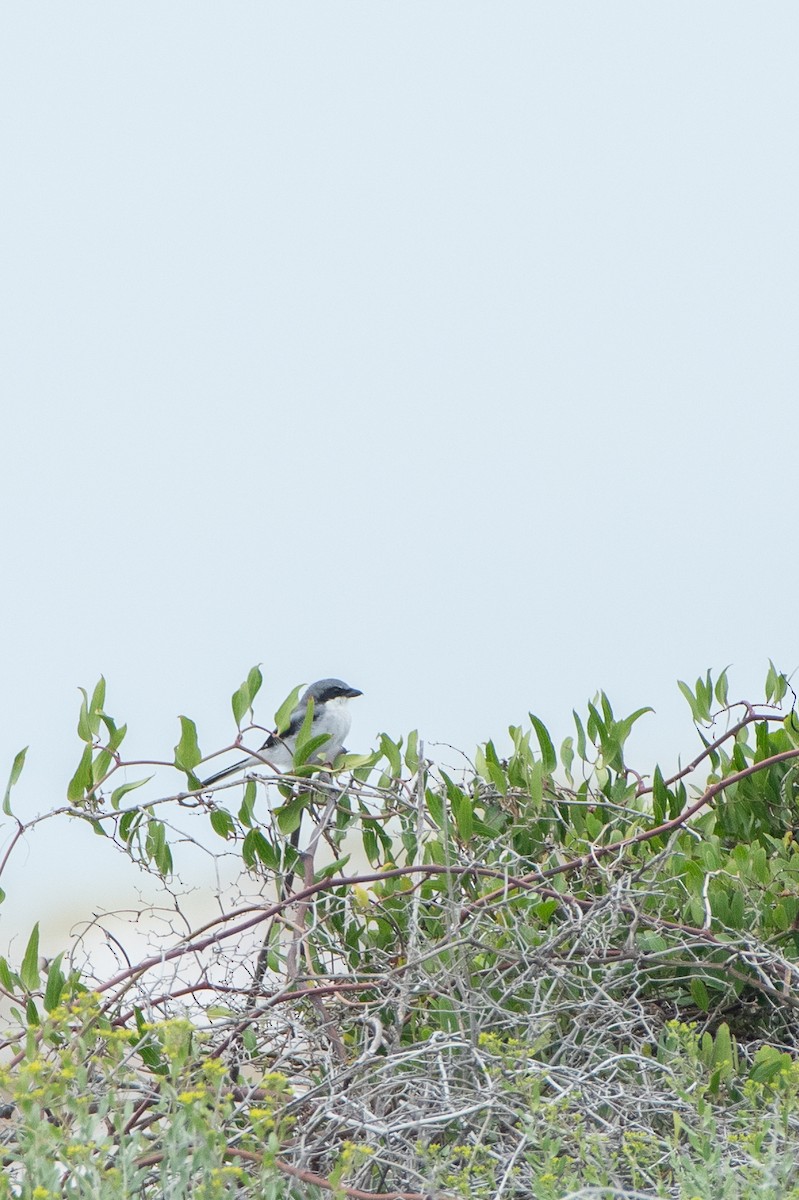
x=544, y=974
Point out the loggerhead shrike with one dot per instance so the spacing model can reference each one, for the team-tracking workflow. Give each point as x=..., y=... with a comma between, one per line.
x=331, y=715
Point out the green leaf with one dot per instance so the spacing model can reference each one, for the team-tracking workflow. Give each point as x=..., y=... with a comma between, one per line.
x=594, y=825
x=660, y=797
x=713, y=755
x=240, y=702
x=222, y=823
x=521, y=760
x=412, y=751
x=242, y=698
x=567, y=756
x=624, y=727
x=677, y=801
x=782, y=688
x=91, y=712
x=545, y=910
x=548, y=755
x=124, y=788
x=254, y=681
x=98, y=701
x=491, y=753
x=115, y=736
x=699, y=994
x=247, y=804
x=145, y=1046
x=763, y=748
x=16, y=771
x=164, y=860
x=8, y=978
x=392, y=752
x=156, y=837
x=307, y=750
x=101, y=767
x=256, y=848
x=84, y=728
x=283, y=714
x=791, y=727
x=497, y=777
x=304, y=732
x=769, y=1063
x=334, y=868
x=581, y=740
x=689, y=696
x=29, y=970
x=55, y=984
x=721, y=689
x=454, y=793
x=81, y=781
x=704, y=695
x=464, y=819
x=129, y=822
x=595, y=725
x=248, y=849
x=369, y=842
x=357, y=762
x=758, y=864
x=776, y=684
x=723, y=1049
x=187, y=751
x=535, y=783
x=435, y=806
x=289, y=817
x=736, y=915
x=156, y=847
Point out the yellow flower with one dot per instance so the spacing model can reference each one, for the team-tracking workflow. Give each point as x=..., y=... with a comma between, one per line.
x=214, y=1066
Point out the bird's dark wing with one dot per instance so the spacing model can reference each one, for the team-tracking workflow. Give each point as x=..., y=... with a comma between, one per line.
x=274, y=739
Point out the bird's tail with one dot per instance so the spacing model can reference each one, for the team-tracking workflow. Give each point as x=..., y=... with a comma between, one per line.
x=231, y=770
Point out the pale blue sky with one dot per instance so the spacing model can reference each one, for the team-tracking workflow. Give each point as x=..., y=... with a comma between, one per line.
x=446, y=347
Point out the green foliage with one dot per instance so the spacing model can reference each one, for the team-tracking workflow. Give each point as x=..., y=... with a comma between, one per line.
x=14, y=774
x=543, y=973
x=187, y=752
x=283, y=714
x=242, y=699
x=198, y=1139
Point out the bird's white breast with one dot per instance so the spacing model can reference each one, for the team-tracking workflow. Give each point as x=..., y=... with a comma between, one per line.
x=335, y=720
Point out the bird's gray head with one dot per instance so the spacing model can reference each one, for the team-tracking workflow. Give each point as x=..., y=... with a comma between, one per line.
x=329, y=689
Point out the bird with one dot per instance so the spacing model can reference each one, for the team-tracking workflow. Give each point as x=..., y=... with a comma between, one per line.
x=331, y=715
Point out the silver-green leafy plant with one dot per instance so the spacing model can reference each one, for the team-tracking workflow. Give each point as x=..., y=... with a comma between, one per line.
x=539, y=974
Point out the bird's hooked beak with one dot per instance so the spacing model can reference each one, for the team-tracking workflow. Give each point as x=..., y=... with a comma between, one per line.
x=351, y=692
